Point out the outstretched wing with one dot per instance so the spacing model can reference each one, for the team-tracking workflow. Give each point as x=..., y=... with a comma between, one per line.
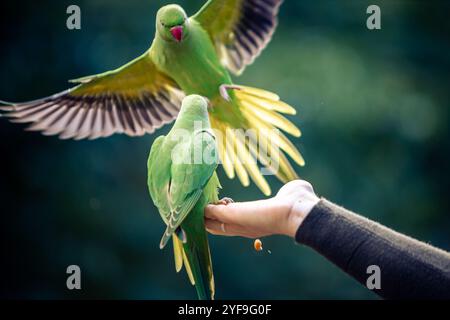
x=134, y=99
x=240, y=29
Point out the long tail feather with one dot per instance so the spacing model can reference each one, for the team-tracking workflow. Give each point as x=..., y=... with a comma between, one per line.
x=240, y=155
x=273, y=118
x=181, y=258
x=250, y=164
x=279, y=139
x=259, y=93
x=187, y=266
x=177, y=253
x=198, y=264
x=227, y=162
x=267, y=104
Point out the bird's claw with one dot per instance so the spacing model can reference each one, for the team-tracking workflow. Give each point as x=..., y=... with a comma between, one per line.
x=225, y=201
x=224, y=91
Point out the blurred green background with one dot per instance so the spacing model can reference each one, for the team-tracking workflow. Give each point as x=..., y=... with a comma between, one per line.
x=373, y=107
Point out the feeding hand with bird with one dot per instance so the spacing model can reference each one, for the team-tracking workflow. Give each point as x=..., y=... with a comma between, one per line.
x=182, y=180
x=189, y=55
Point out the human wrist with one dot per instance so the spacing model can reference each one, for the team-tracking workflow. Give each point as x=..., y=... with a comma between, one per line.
x=298, y=213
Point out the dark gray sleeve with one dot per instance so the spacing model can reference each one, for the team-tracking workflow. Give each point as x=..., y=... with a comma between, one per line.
x=410, y=269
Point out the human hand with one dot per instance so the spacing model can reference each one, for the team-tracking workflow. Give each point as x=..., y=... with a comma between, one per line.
x=281, y=214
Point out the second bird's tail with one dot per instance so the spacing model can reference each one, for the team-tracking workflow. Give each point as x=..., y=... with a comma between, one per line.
x=194, y=254
x=262, y=113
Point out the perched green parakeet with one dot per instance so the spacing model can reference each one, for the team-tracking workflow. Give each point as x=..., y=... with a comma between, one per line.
x=189, y=55
x=182, y=180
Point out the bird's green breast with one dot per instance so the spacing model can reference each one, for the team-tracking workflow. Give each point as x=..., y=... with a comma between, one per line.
x=193, y=63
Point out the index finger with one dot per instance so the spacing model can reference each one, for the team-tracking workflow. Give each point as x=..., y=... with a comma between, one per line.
x=237, y=213
x=223, y=213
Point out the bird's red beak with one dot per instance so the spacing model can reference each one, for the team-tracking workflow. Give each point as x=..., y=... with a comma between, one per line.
x=177, y=33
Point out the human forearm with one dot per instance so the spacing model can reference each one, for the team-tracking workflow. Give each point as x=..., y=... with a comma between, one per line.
x=409, y=268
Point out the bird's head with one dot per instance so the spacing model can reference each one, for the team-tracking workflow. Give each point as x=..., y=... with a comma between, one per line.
x=171, y=23
x=195, y=104
x=193, y=113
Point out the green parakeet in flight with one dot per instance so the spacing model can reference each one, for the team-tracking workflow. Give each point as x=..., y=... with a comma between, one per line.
x=182, y=180
x=189, y=55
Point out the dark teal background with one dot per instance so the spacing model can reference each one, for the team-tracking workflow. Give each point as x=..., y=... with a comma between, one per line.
x=373, y=107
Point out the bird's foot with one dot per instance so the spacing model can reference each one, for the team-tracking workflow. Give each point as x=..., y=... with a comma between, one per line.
x=225, y=201
x=224, y=91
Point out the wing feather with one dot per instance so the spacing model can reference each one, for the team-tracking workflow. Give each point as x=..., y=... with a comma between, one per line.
x=240, y=29
x=176, y=193
x=134, y=99
x=190, y=178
